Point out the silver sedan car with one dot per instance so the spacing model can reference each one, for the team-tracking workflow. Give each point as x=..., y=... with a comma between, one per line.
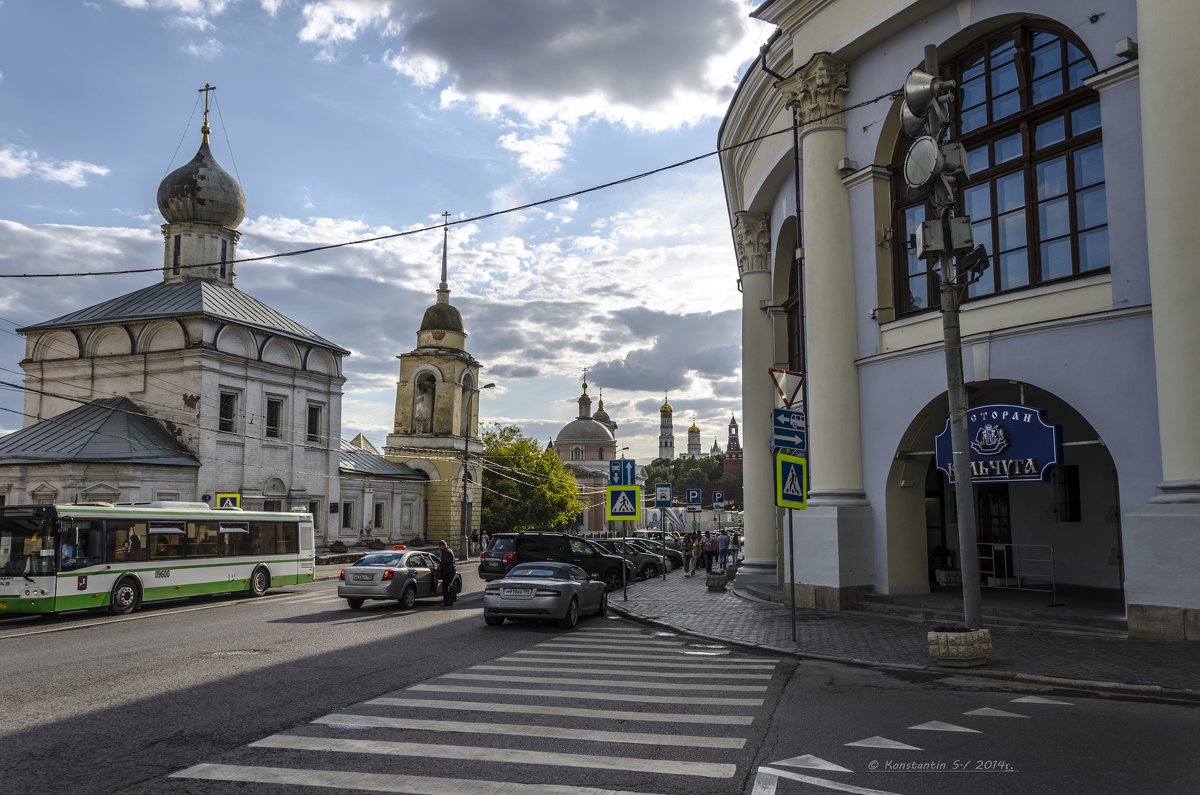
x=401, y=575
x=559, y=592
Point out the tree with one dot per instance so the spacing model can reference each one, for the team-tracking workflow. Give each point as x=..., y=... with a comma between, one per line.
x=525, y=486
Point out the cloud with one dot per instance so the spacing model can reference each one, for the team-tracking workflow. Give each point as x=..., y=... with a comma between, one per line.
x=331, y=24
x=542, y=154
x=209, y=50
x=18, y=163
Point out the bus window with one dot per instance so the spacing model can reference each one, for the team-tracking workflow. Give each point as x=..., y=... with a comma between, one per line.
x=80, y=544
x=202, y=539
x=287, y=540
x=124, y=540
x=166, y=542
x=235, y=539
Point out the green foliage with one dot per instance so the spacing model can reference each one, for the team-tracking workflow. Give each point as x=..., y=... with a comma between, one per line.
x=526, y=487
x=706, y=474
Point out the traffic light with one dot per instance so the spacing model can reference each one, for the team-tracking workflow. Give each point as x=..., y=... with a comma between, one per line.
x=929, y=164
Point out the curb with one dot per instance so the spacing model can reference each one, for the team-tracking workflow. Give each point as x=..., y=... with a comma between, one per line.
x=1154, y=692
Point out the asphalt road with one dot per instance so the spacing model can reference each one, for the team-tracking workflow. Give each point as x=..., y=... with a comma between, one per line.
x=292, y=691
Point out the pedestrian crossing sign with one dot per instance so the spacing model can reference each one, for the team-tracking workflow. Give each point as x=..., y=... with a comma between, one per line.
x=791, y=481
x=233, y=500
x=624, y=503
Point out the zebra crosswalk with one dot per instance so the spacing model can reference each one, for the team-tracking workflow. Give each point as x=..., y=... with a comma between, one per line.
x=609, y=709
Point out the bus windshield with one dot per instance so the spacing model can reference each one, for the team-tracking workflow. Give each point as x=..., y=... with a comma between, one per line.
x=26, y=540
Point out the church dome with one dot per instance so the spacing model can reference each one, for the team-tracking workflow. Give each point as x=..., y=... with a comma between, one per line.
x=694, y=429
x=666, y=408
x=585, y=430
x=202, y=192
x=442, y=317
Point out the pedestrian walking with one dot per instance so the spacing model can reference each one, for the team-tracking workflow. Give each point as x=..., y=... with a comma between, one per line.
x=723, y=549
x=708, y=549
x=446, y=573
x=693, y=543
x=687, y=556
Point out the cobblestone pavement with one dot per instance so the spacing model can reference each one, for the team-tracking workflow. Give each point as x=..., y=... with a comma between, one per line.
x=1145, y=667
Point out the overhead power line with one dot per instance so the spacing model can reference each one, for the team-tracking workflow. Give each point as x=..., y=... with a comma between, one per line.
x=472, y=219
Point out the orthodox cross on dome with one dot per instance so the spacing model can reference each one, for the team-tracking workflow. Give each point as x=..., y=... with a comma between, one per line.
x=585, y=379
x=204, y=128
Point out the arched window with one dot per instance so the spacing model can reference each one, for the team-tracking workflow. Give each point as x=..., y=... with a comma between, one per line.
x=1036, y=194
x=576, y=453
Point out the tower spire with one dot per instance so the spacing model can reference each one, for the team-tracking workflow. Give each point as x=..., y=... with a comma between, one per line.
x=443, y=291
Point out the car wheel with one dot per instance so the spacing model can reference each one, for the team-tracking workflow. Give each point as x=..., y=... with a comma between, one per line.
x=260, y=581
x=603, y=609
x=125, y=597
x=612, y=579
x=494, y=621
x=354, y=604
x=572, y=617
x=408, y=598
x=649, y=570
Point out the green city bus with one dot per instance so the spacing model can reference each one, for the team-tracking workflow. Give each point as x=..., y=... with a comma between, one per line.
x=55, y=558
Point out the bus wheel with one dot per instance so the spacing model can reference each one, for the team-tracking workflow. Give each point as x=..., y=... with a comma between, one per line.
x=125, y=597
x=260, y=581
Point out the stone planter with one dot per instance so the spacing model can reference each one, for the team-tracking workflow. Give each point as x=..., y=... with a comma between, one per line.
x=716, y=582
x=376, y=543
x=960, y=648
x=731, y=571
x=337, y=547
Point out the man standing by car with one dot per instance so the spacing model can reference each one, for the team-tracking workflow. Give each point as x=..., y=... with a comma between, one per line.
x=446, y=574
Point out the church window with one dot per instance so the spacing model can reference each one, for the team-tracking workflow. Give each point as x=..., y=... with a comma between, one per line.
x=576, y=453
x=1036, y=195
x=274, y=420
x=175, y=257
x=314, y=430
x=227, y=418
x=347, y=515
x=224, y=256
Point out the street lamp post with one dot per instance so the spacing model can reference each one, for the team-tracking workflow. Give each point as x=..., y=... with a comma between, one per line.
x=466, y=529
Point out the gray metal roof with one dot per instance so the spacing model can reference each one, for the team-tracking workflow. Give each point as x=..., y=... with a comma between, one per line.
x=194, y=297
x=356, y=461
x=111, y=431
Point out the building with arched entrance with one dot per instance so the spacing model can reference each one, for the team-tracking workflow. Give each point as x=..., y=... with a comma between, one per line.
x=1085, y=320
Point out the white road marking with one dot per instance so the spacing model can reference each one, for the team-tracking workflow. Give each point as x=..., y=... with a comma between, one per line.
x=577, y=712
x=731, y=663
x=607, y=683
x=988, y=712
x=939, y=726
x=566, y=668
x=1040, y=700
x=815, y=762
x=657, y=663
x=528, y=730
x=824, y=783
x=764, y=783
x=883, y=742
x=593, y=640
x=584, y=696
x=381, y=782
x=500, y=755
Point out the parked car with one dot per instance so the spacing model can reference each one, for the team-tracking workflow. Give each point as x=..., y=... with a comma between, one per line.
x=545, y=590
x=402, y=575
x=647, y=564
x=508, y=549
x=658, y=548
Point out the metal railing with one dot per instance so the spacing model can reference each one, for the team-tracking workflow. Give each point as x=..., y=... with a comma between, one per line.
x=1023, y=567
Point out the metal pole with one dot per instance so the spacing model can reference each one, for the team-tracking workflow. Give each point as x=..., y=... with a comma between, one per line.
x=466, y=458
x=792, y=565
x=956, y=394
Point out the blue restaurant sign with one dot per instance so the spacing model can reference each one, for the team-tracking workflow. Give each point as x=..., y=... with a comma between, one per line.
x=1008, y=443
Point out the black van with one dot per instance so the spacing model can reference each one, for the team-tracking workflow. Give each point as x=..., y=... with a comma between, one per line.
x=508, y=549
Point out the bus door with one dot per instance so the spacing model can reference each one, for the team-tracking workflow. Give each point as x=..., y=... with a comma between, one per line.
x=27, y=559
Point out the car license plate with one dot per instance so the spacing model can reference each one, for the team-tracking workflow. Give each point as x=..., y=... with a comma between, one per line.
x=364, y=577
x=516, y=591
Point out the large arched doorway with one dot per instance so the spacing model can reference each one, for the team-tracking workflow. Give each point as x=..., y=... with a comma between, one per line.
x=1057, y=536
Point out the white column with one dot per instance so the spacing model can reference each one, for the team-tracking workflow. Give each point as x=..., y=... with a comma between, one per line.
x=753, y=237
x=1169, y=128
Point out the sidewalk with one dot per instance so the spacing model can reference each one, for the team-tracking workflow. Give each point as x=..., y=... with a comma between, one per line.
x=1163, y=669
x=1141, y=667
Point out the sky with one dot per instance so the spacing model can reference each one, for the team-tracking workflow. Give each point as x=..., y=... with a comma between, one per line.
x=345, y=120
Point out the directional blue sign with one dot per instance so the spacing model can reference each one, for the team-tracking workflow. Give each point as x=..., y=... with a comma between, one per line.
x=693, y=499
x=790, y=429
x=662, y=495
x=718, y=499
x=622, y=472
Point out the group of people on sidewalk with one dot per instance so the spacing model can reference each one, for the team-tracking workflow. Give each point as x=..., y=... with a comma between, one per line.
x=710, y=550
